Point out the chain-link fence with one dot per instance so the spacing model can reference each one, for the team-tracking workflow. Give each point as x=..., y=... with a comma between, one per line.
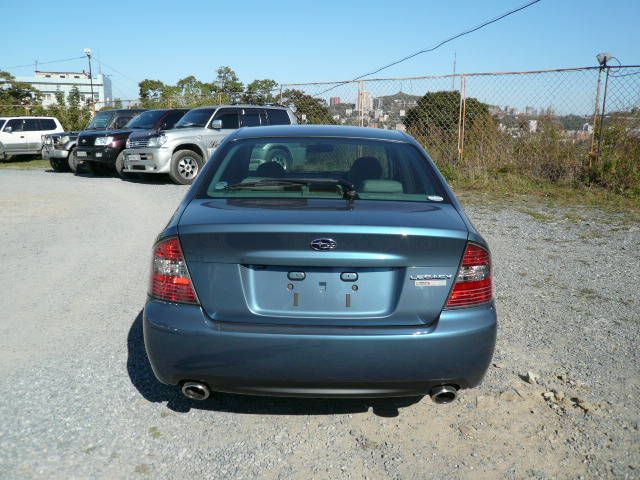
x=566, y=126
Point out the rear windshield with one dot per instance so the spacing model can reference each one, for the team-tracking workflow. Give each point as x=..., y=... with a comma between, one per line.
x=323, y=168
x=101, y=121
x=146, y=120
x=195, y=118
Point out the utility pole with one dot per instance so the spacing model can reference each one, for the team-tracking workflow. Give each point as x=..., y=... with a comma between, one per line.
x=87, y=52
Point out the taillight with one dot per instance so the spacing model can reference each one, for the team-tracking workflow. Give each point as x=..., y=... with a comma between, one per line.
x=473, y=284
x=170, y=279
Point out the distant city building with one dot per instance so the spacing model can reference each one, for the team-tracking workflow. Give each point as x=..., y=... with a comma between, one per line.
x=533, y=126
x=49, y=83
x=348, y=112
x=365, y=100
x=333, y=101
x=529, y=111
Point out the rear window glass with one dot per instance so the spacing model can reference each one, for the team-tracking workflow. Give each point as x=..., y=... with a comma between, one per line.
x=323, y=167
x=195, y=118
x=278, y=117
x=47, y=124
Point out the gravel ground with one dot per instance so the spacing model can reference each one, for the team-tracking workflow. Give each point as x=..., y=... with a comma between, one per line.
x=79, y=399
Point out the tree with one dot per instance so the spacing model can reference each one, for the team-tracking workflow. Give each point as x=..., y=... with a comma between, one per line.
x=73, y=113
x=308, y=109
x=228, y=84
x=17, y=97
x=151, y=91
x=441, y=111
x=260, y=92
x=434, y=122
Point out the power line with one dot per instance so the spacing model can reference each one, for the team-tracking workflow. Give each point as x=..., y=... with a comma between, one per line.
x=116, y=71
x=44, y=63
x=438, y=45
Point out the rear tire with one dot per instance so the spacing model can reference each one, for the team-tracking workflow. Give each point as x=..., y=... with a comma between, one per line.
x=59, y=164
x=72, y=160
x=185, y=167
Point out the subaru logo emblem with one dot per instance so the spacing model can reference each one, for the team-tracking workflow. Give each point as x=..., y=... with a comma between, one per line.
x=323, y=244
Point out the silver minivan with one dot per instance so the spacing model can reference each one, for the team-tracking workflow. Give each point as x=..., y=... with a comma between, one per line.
x=23, y=135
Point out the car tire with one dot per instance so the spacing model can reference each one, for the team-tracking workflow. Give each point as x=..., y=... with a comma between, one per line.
x=72, y=160
x=281, y=156
x=185, y=167
x=59, y=165
x=120, y=166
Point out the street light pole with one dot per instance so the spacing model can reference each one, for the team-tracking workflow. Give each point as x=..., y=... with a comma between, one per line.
x=87, y=52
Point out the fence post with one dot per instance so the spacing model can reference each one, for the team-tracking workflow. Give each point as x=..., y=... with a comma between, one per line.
x=593, y=153
x=604, y=107
x=461, y=114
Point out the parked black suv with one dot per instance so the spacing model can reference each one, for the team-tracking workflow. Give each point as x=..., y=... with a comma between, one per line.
x=103, y=151
x=101, y=122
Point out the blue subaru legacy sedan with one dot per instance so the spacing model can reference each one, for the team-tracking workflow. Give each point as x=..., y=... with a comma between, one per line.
x=320, y=261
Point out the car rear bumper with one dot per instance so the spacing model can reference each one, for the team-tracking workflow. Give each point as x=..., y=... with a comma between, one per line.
x=147, y=160
x=184, y=344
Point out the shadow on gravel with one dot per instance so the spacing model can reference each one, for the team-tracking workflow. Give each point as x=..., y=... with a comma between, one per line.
x=151, y=389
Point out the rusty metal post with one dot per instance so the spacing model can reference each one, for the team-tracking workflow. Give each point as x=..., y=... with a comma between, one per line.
x=593, y=153
x=461, y=116
x=604, y=107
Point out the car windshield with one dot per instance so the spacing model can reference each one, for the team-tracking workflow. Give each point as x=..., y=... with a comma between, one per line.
x=353, y=169
x=195, y=118
x=101, y=121
x=146, y=120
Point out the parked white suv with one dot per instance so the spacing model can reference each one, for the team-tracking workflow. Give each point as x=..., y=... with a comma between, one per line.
x=23, y=135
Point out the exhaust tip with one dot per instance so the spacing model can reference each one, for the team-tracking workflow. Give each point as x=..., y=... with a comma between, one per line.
x=195, y=390
x=444, y=394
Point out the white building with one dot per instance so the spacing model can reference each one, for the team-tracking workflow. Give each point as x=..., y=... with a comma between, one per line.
x=49, y=83
x=365, y=100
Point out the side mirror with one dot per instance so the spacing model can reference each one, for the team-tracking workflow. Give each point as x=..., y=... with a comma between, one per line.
x=216, y=124
x=8, y=129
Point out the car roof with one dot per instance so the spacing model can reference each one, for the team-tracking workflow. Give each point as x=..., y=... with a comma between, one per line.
x=320, y=131
x=242, y=105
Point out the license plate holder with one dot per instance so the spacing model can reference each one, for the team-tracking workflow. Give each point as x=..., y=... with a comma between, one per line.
x=80, y=153
x=133, y=157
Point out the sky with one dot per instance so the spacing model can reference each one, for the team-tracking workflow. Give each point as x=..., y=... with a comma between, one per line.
x=302, y=41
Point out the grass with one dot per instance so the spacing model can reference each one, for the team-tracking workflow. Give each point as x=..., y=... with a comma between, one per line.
x=520, y=190
x=25, y=163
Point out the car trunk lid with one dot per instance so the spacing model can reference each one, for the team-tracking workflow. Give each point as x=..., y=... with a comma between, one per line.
x=252, y=261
